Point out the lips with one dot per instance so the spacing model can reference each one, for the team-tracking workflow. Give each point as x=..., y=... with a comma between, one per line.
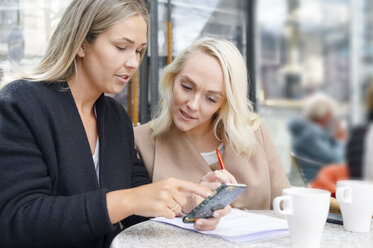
x=186, y=115
x=124, y=77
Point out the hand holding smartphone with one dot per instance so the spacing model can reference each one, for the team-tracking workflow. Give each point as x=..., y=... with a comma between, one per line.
x=224, y=195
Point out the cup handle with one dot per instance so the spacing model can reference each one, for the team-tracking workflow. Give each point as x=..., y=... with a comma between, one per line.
x=288, y=208
x=343, y=194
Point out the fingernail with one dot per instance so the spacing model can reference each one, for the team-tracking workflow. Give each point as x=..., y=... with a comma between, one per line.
x=216, y=214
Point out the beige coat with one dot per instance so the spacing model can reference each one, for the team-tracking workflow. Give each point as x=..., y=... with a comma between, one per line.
x=174, y=155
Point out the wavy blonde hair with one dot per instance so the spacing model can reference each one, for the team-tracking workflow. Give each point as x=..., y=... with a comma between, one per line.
x=235, y=121
x=82, y=21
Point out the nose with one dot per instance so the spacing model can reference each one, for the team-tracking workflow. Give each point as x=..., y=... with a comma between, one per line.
x=193, y=102
x=132, y=61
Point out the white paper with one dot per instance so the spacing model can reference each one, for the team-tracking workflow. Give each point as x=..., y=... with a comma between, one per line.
x=240, y=226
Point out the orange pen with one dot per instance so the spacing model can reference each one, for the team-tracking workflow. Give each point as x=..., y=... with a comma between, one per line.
x=220, y=159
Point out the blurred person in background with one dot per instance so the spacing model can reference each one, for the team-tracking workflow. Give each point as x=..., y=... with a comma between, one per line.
x=317, y=136
x=359, y=161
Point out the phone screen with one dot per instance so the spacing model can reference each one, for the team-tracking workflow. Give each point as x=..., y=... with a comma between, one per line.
x=224, y=195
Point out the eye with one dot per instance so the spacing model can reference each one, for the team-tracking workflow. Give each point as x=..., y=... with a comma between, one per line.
x=140, y=51
x=120, y=48
x=186, y=87
x=211, y=99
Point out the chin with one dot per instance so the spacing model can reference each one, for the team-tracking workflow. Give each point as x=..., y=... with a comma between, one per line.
x=181, y=126
x=115, y=90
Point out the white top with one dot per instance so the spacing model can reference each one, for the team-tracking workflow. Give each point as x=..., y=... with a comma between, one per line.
x=95, y=159
x=211, y=157
x=368, y=155
x=96, y=153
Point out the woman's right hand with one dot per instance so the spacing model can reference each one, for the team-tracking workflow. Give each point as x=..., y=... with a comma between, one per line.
x=340, y=131
x=215, y=178
x=164, y=198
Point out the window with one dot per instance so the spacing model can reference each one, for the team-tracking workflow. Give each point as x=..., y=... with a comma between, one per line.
x=25, y=28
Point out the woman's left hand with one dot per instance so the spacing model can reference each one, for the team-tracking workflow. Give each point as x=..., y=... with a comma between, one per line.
x=211, y=223
x=212, y=180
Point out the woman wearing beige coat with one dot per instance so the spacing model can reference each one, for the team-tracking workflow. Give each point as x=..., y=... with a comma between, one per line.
x=204, y=106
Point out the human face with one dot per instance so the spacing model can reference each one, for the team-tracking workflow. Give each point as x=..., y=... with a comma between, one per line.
x=325, y=120
x=109, y=63
x=198, y=93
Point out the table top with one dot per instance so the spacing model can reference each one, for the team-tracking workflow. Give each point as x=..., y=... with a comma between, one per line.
x=155, y=234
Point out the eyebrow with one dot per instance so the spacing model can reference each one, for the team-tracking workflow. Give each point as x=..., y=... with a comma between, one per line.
x=209, y=91
x=132, y=42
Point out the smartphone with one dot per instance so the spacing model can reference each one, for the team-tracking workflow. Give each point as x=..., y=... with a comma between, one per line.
x=224, y=195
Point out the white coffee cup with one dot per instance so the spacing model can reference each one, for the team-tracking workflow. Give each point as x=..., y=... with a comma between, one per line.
x=355, y=198
x=306, y=210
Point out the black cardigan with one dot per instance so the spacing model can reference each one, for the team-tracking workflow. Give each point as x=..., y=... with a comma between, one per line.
x=355, y=151
x=49, y=193
x=356, y=148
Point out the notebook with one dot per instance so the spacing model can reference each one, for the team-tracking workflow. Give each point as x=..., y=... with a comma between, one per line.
x=240, y=226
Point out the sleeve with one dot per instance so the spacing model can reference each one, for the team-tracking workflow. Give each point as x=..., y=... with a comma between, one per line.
x=140, y=175
x=330, y=151
x=145, y=147
x=139, y=172
x=279, y=180
x=30, y=214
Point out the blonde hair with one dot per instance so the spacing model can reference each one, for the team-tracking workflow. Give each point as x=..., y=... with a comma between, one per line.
x=318, y=105
x=234, y=120
x=82, y=21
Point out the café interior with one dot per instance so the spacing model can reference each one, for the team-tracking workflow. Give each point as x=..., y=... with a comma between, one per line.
x=294, y=50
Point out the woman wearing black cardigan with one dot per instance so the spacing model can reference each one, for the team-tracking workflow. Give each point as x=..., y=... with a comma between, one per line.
x=69, y=170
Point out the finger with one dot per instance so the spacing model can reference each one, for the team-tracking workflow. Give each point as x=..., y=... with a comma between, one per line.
x=221, y=177
x=211, y=176
x=179, y=211
x=214, y=176
x=206, y=178
x=231, y=178
x=213, y=186
x=178, y=203
x=197, y=200
x=163, y=210
x=222, y=212
x=211, y=223
x=206, y=224
x=197, y=189
x=169, y=214
x=176, y=209
x=173, y=206
x=179, y=197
